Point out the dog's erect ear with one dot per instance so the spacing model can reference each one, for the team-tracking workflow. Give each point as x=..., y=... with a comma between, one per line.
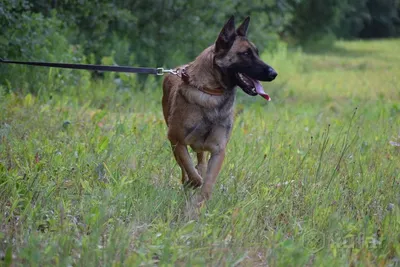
x=226, y=36
x=242, y=29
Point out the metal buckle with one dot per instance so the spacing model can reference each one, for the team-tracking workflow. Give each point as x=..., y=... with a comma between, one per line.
x=161, y=71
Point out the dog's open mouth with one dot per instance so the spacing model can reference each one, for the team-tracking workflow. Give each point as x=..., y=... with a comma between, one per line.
x=251, y=86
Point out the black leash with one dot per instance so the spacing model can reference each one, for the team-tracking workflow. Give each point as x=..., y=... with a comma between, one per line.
x=155, y=71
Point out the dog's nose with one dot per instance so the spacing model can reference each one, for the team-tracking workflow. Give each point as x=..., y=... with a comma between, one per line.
x=272, y=73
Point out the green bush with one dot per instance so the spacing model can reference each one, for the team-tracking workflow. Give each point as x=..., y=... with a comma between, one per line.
x=161, y=33
x=313, y=21
x=31, y=36
x=139, y=33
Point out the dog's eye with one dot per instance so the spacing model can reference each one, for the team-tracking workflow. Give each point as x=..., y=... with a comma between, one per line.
x=247, y=53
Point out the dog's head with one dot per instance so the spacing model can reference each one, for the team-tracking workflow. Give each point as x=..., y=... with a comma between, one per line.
x=238, y=59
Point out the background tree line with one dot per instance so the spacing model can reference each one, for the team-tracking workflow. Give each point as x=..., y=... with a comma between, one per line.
x=171, y=32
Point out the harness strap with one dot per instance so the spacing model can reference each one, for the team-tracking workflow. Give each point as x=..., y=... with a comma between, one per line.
x=155, y=71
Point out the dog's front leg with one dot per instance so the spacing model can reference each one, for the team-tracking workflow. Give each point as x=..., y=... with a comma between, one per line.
x=214, y=167
x=202, y=163
x=185, y=161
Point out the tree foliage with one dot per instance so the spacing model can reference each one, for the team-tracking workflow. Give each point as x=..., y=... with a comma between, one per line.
x=168, y=33
x=155, y=32
x=384, y=19
x=314, y=19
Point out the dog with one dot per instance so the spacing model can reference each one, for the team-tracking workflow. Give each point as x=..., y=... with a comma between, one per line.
x=198, y=103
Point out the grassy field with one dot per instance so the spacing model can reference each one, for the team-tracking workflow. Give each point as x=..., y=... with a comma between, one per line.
x=311, y=178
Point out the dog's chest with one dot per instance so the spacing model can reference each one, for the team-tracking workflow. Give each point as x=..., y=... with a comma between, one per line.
x=200, y=120
x=210, y=126
x=217, y=115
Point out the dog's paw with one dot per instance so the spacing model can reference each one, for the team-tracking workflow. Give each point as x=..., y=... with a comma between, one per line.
x=194, y=182
x=201, y=169
x=200, y=202
x=194, y=207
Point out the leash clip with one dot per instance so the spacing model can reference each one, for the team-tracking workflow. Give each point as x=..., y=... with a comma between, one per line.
x=161, y=71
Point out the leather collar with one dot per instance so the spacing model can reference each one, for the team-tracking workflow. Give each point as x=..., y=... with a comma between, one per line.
x=181, y=72
x=215, y=92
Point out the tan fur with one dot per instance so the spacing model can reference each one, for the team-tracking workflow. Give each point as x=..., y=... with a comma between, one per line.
x=204, y=121
x=199, y=120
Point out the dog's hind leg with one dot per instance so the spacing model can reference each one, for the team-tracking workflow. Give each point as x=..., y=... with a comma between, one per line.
x=202, y=163
x=185, y=178
x=185, y=162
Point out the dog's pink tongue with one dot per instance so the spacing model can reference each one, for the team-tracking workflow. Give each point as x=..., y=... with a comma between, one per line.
x=260, y=90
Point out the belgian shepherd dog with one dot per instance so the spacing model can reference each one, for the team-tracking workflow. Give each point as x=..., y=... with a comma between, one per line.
x=198, y=103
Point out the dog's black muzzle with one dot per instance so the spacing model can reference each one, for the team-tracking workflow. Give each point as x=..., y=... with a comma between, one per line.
x=271, y=74
x=259, y=71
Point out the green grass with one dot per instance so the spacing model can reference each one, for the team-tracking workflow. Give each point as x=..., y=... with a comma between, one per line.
x=312, y=178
